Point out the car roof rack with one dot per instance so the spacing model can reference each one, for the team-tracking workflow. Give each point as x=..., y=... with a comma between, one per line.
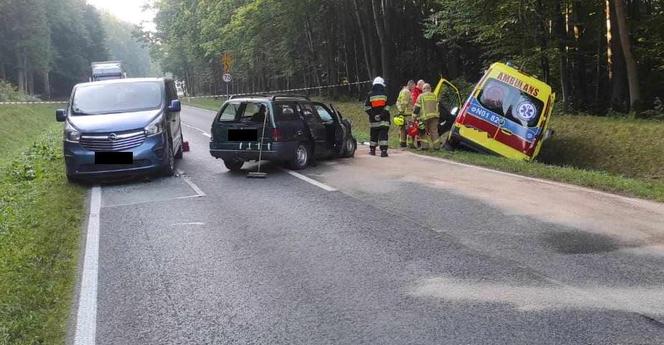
x=256, y=95
x=274, y=97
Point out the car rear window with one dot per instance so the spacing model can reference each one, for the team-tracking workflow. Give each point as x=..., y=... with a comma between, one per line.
x=229, y=112
x=253, y=112
x=510, y=102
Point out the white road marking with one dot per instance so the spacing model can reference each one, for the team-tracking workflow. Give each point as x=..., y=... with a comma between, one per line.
x=312, y=181
x=191, y=223
x=206, y=134
x=86, y=319
x=191, y=184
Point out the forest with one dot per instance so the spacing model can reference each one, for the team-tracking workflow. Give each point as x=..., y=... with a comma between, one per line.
x=601, y=56
x=46, y=46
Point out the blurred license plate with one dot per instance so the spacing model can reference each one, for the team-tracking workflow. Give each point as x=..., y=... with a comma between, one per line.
x=114, y=158
x=242, y=135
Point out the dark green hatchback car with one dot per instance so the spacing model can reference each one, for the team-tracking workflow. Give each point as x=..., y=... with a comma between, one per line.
x=287, y=129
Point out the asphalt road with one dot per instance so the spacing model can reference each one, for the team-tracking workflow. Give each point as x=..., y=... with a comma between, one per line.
x=407, y=251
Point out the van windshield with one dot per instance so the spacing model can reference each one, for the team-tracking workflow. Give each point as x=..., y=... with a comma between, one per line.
x=96, y=99
x=510, y=102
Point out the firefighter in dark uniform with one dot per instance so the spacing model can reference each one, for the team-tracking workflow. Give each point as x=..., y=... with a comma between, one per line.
x=379, y=117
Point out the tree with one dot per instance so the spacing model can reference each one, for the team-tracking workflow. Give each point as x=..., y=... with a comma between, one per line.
x=630, y=62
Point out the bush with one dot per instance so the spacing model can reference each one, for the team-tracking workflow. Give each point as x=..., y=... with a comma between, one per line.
x=8, y=93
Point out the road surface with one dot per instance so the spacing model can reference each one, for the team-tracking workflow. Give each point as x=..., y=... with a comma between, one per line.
x=405, y=250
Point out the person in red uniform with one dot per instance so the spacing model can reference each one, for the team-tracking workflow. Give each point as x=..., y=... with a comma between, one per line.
x=417, y=90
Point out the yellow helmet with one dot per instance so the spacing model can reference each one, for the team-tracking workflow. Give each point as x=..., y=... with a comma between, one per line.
x=399, y=120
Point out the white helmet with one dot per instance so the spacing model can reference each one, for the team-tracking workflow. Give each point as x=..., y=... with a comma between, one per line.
x=379, y=81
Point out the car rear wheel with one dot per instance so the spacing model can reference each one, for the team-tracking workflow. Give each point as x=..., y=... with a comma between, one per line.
x=234, y=164
x=350, y=146
x=300, y=158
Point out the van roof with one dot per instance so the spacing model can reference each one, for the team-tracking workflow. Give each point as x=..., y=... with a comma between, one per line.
x=123, y=81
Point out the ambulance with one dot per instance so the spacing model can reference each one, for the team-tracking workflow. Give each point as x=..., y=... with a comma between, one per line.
x=507, y=114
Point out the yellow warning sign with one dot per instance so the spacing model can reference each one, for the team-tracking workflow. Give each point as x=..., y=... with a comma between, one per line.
x=227, y=61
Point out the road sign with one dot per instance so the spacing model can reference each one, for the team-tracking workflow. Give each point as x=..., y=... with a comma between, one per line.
x=227, y=61
x=227, y=78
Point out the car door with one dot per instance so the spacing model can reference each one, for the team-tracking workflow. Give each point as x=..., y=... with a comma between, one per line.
x=173, y=118
x=333, y=127
x=317, y=129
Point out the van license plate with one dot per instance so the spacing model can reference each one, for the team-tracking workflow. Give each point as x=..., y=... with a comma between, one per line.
x=114, y=158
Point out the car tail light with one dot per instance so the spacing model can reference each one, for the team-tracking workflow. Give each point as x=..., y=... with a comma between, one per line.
x=276, y=134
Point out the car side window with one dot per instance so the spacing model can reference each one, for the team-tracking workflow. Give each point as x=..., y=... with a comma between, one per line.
x=286, y=112
x=307, y=111
x=324, y=114
x=229, y=112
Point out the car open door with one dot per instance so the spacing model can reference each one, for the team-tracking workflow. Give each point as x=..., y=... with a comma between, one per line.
x=334, y=128
x=317, y=129
x=345, y=143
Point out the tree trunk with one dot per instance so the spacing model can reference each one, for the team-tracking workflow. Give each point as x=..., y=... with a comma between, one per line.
x=630, y=63
x=20, y=70
x=562, y=47
x=363, y=37
x=543, y=41
x=617, y=74
x=382, y=40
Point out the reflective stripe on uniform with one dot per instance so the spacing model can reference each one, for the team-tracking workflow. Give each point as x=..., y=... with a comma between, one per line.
x=378, y=101
x=373, y=143
x=383, y=143
x=379, y=124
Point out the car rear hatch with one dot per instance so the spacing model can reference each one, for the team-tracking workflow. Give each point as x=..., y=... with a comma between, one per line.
x=239, y=127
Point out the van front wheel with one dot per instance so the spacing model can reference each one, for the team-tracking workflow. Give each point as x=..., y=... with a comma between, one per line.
x=169, y=160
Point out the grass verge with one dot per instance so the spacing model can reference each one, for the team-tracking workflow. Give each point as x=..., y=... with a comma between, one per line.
x=40, y=217
x=617, y=155
x=213, y=104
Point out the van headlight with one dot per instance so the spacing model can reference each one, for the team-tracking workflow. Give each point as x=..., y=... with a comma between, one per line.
x=71, y=134
x=155, y=127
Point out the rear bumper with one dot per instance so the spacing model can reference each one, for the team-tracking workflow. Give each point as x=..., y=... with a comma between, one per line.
x=148, y=158
x=280, y=151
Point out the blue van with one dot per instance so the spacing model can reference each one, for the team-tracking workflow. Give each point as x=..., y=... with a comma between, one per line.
x=122, y=127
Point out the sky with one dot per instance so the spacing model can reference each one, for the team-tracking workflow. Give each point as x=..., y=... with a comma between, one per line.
x=126, y=10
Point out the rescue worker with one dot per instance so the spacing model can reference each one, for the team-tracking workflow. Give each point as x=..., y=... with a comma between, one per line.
x=426, y=110
x=404, y=106
x=417, y=90
x=379, y=117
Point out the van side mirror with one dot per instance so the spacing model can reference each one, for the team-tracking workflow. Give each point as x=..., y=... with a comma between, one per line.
x=60, y=115
x=175, y=106
x=548, y=134
x=454, y=111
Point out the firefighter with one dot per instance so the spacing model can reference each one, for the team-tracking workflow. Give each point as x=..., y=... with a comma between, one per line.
x=426, y=110
x=379, y=117
x=405, y=108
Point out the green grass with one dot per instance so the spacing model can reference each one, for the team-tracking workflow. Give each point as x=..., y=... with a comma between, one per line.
x=40, y=218
x=618, y=155
x=213, y=104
